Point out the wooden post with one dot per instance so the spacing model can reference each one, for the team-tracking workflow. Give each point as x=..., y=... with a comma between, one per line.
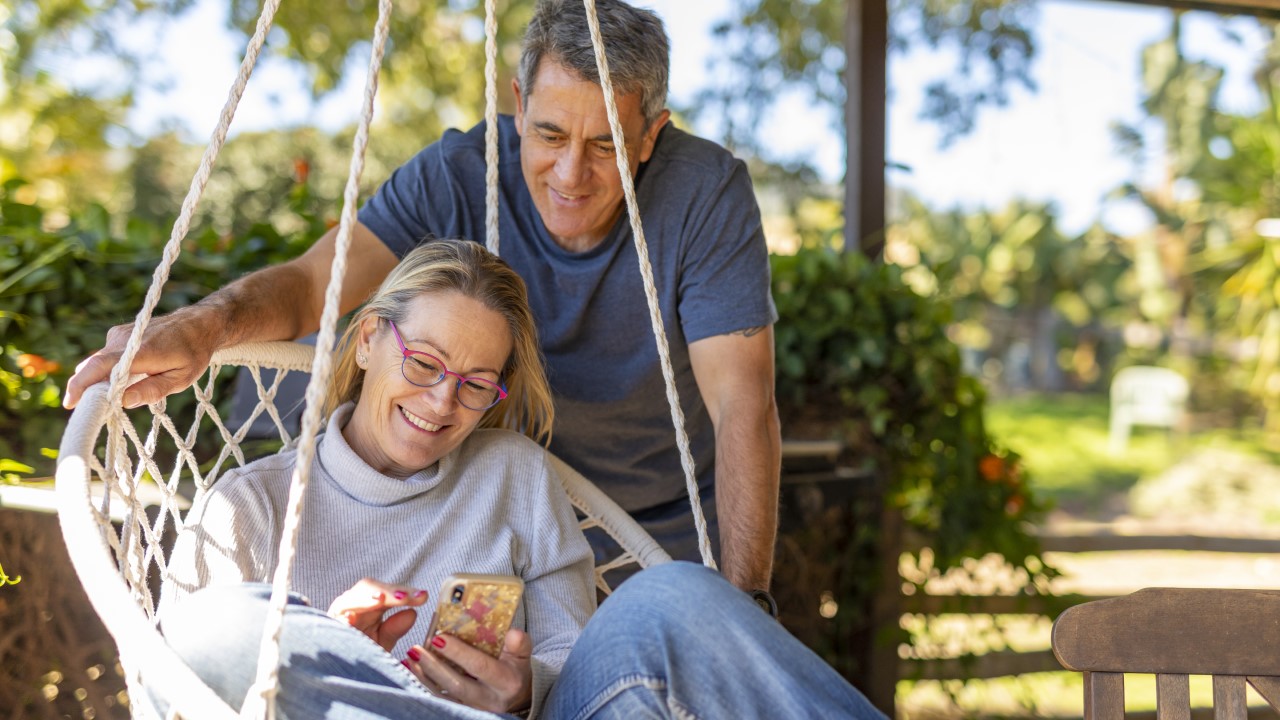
x=866, y=38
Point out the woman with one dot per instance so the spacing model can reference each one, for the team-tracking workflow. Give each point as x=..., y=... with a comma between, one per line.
x=416, y=478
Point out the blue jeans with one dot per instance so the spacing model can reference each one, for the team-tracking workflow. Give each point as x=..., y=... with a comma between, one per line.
x=674, y=641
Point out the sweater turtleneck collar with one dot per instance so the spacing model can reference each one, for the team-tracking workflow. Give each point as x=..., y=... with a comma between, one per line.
x=344, y=468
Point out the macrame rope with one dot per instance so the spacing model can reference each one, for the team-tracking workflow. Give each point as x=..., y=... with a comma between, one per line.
x=491, y=126
x=116, y=448
x=321, y=375
x=651, y=292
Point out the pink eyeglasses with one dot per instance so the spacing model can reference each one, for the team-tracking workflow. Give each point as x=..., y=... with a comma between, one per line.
x=426, y=370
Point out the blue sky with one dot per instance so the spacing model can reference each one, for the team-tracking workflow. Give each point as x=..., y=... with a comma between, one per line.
x=1054, y=144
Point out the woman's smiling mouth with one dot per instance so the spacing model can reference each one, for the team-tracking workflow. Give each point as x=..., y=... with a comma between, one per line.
x=418, y=422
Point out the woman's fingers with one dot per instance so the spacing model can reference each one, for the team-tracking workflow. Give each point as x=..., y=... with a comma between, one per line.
x=476, y=678
x=394, y=626
x=365, y=606
x=372, y=596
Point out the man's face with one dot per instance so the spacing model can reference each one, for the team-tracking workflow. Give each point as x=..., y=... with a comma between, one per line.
x=567, y=153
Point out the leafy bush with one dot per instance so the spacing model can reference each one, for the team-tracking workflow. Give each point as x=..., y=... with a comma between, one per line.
x=61, y=290
x=863, y=357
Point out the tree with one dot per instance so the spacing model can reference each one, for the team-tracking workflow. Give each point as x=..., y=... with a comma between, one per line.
x=771, y=46
x=1217, y=275
x=1013, y=276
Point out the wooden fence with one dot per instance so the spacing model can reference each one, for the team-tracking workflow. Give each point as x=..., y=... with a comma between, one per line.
x=1098, y=539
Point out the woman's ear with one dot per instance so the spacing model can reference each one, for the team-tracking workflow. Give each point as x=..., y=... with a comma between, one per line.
x=364, y=340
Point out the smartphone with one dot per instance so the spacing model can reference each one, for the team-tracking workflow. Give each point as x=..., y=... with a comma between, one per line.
x=477, y=608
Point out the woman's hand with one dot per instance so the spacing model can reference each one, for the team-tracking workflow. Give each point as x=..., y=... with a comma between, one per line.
x=365, y=605
x=457, y=671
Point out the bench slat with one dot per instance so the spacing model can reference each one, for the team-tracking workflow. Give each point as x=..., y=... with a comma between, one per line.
x=1268, y=688
x=1103, y=696
x=1229, y=698
x=1173, y=697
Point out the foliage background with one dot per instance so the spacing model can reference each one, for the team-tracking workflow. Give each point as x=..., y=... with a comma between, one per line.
x=896, y=359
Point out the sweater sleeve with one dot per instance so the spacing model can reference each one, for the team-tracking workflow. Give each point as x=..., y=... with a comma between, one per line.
x=226, y=537
x=558, y=572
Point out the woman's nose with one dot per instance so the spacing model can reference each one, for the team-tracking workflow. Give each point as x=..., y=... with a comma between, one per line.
x=443, y=396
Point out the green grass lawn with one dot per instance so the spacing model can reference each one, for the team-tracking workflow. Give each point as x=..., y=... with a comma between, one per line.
x=1064, y=441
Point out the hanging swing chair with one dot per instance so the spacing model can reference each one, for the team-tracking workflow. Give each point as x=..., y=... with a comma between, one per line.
x=117, y=540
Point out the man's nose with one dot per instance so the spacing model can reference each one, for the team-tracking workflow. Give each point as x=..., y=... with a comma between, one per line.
x=570, y=167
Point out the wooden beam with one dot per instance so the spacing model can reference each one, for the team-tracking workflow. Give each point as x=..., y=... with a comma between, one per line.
x=1260, y=8
x=866, y=36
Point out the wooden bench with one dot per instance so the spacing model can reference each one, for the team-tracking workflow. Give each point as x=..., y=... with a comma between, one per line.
x=1232, y=635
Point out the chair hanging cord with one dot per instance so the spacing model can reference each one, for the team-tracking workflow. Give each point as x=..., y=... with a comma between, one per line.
x=120, y=376
x=266, y=685
x=491, y=126
x=180, y=227
x=651, y=292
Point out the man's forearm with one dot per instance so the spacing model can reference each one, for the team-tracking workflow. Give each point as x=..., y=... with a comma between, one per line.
x=748, y=465
x=275, y=303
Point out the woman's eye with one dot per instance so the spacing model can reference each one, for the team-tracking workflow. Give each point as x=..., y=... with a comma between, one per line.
x=426, y=366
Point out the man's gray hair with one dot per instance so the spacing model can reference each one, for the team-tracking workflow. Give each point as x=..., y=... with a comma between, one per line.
x=635, y=44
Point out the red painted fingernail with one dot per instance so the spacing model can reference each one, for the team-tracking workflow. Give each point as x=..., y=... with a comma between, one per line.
x=413, y=655
x=437, y=641
x=400, y=594
x=405, y=663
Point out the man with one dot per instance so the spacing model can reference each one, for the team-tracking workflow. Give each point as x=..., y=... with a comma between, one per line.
x=563, y=227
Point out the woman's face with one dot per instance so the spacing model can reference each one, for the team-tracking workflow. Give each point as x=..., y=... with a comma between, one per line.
x=399, y=428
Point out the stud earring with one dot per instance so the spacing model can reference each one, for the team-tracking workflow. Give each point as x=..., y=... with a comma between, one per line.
x=361, y=359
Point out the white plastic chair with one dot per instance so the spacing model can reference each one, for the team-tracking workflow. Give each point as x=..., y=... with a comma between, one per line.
x=1148, y=396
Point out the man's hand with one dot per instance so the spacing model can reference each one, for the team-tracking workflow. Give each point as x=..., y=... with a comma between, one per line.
x=365, y=607
x=175, y=351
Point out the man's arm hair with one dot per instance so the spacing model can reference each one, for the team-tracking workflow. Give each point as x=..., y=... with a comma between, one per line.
x=281, y=302
x=735, y=377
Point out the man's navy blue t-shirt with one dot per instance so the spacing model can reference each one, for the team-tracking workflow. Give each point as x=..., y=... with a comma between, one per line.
x=702, y=226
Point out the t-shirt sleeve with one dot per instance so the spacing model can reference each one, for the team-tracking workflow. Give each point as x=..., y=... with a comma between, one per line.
x=420, y=201
x=724, y=279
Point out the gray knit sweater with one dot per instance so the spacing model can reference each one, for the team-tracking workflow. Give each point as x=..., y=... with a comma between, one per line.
x=493, y=505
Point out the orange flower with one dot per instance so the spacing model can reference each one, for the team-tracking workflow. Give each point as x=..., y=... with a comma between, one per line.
x=301, y=170
x=991, y=468
x=33, y=365
x=1013, y=506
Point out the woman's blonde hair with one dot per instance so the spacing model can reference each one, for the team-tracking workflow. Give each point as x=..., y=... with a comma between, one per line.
x=468, y=268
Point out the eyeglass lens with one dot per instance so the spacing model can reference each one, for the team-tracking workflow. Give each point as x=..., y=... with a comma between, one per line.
x=426, y=371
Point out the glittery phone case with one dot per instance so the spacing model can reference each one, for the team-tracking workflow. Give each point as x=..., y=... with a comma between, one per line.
x=477, y=608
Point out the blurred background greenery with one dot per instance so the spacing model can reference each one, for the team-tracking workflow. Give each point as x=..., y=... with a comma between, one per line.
x=970, y=365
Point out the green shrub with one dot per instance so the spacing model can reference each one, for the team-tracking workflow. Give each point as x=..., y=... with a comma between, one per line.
x=61, y=290
x=862, y=356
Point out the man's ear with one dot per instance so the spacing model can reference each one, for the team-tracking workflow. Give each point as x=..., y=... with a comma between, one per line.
x=651, y=135
x=515, y=88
